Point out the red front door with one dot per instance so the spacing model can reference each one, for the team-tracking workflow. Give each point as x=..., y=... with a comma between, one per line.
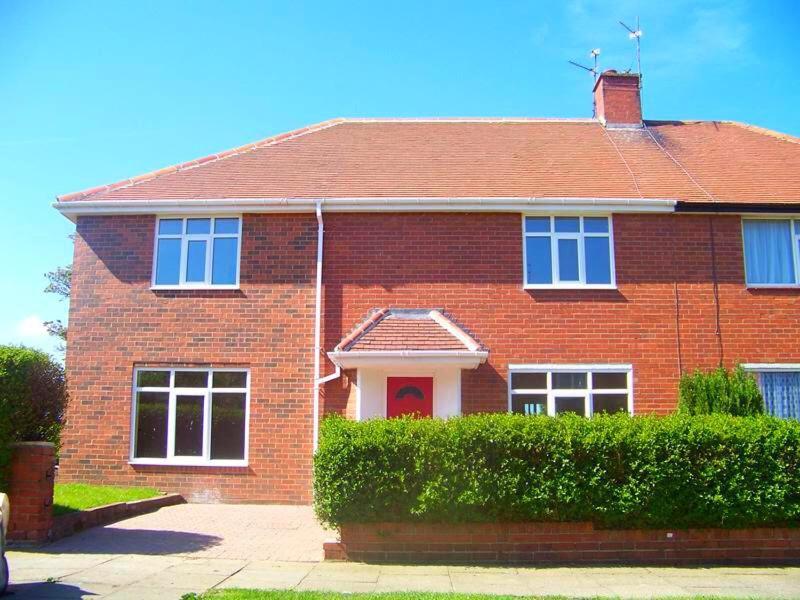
x=409, y=396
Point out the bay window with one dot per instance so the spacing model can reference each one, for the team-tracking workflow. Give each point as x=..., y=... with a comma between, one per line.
x=190, y=416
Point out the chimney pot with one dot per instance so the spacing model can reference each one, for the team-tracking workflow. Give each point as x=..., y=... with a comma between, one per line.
x=617, y=99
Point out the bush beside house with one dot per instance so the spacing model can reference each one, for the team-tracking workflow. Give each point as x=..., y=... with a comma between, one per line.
x=33, y=399
x=616, y=471
x=720, y=391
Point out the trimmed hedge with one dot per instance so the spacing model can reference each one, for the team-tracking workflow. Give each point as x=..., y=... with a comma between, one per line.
x=720, y=391
x=617, y=471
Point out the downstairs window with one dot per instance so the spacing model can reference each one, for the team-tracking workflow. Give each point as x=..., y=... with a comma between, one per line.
x=190, y=416
x=583, y=390
x=780, y=386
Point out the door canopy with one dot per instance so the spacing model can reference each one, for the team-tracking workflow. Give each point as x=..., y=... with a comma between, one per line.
x=392, y=336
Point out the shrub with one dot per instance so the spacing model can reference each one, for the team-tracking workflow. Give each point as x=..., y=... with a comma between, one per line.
x=720, y=391
x=617, y=471
x=33, y=398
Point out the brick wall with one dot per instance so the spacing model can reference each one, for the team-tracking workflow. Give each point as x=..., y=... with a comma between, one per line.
x=661, y=318
x=31, y=491
x=548, y=543
x=117, y=322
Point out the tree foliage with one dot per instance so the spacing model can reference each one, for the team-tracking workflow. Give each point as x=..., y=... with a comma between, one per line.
x=720, y=391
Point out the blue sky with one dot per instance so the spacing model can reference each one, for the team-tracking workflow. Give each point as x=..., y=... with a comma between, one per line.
x=96, y=91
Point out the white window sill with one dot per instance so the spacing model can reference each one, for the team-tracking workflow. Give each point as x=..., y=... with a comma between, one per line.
x=194, y=287
x=188, y=462
x=773, y=286
x=592, y=286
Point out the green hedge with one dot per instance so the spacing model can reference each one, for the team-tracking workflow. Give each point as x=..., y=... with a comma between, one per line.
x=618, y=471
x=720, y=391
x=33, y=399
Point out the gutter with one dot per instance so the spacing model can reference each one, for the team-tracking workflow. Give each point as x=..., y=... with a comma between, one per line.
x=77, y=208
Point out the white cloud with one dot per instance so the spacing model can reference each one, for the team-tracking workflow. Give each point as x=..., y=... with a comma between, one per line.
x=31, y=327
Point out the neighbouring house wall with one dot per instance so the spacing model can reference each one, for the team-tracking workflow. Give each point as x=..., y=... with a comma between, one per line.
x=661, y=318
x=116, y=322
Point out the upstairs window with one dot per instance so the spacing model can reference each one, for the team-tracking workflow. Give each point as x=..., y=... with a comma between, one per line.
x=197, y=252
x=771, y=252
x=585, y=390
x=568, y=252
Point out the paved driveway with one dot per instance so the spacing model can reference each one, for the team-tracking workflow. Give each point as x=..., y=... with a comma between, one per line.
x=194, y=547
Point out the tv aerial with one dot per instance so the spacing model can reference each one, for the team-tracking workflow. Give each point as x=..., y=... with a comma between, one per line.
x=593, y=53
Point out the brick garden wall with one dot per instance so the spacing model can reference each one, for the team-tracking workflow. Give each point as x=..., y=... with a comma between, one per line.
x=30, y=491
x=661, y=318
x=548, y=543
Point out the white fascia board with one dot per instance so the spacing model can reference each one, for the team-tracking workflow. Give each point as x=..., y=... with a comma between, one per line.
x=458, y=358
x=420, y=204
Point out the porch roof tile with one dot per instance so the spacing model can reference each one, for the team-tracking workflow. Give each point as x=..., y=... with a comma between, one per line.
x=407, y=329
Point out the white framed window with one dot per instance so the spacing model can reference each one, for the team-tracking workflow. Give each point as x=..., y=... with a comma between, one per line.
x=780, y=386
x=771, y=252
x=197, y=252
x=569, y=251
x=581, y=389
x=188, y=416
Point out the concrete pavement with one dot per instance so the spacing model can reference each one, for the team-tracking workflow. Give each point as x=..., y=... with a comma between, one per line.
x=192, y=548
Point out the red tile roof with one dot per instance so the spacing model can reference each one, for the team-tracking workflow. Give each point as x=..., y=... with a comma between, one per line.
x=682, y=160
x=399, y=329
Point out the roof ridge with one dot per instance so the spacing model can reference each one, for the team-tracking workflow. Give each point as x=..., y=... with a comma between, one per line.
x=361, y=329
x=469, y=120
x=765, y=131
x=150, y=175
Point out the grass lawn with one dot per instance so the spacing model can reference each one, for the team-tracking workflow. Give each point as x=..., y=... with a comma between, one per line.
x=236, y=594
x=71, y=497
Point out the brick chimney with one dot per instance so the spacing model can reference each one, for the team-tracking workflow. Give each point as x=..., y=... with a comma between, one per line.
x=617, y=100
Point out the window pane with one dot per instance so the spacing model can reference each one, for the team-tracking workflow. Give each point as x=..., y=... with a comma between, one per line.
x=196, y=261
x=191, y=379
x=568, y=260
x=225, y=260
x=781, y=393
x=198, y=225
x=609, y=381
x=230, y=379
x=537, y=224
x=227, y=426
x=170, y=226
x=570, y=405
x=226, y=226
x=151, y=425
x=529, y=404
x=569, y=381
x=609, y=403
x=598, y=260
x=168, y=261
x=152, y=379
x=568, y=224
x=188, y=425
x=595, y=224
x=529, y=381
x=540, y=263
x=768, y=251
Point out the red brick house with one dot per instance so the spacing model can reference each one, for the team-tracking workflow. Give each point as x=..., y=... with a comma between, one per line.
x=373, y=267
